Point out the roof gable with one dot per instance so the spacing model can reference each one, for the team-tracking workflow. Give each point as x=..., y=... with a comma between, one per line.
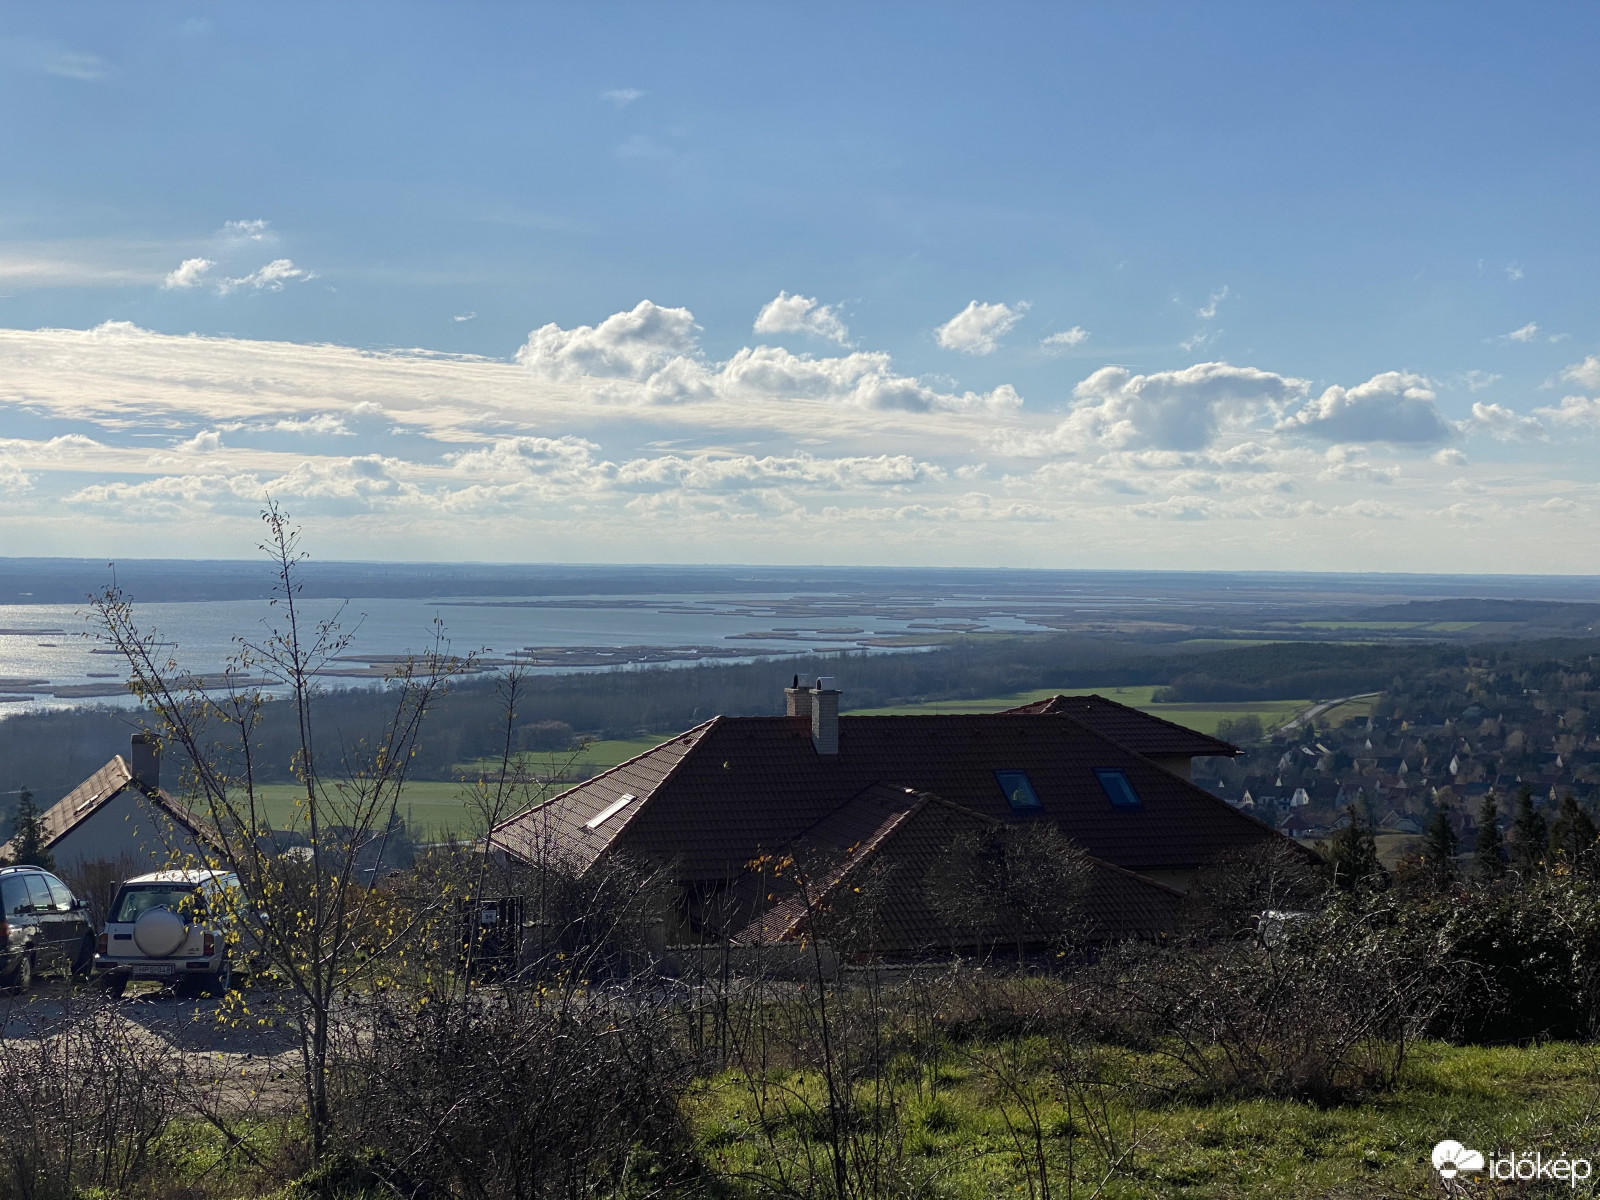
x=95, y=792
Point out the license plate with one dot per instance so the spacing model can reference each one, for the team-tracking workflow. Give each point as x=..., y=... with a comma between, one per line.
x=158, y=969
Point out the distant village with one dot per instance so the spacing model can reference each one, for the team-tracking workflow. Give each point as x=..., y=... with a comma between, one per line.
x=1439, y=743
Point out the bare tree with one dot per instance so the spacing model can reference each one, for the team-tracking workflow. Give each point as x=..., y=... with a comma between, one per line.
x=318, y=915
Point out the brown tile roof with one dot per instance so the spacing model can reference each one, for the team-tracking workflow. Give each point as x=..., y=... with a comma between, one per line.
x=712, y=799
x=1139, y=731
x=883, y=843
x=99, y=789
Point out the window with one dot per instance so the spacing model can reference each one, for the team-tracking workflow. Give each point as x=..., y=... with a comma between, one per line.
x=1116, y=787
x=138, y=898
x=13, y=895
x=1019, y=792
x=610, y=810
x=59, y=894
x=39, y=893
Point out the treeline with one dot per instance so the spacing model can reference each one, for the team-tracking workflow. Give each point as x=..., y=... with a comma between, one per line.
x=52, y=752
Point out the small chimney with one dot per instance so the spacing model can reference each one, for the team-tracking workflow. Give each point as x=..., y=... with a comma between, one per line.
x=797, y=700
x=825, y=716
x=144, y=761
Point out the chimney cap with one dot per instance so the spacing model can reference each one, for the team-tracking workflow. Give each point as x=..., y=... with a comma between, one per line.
x=825, y=683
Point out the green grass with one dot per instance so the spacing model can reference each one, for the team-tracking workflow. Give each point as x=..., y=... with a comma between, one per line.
x=957, y=1143
x=1204, y=717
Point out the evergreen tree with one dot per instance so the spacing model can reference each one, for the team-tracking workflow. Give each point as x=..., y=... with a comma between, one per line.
x=28, y=842
x=1573, y=835
x=1439, y=848
x=1488, y=858
x=1353, y=856
x=1530, y=836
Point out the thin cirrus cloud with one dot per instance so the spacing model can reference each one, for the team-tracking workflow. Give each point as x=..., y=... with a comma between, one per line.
x=1065, y=339
x=978, y=328
x=621, y=97
x=270, y=277
x=801, y=314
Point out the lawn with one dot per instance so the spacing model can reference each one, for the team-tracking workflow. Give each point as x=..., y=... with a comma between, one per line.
x=958, y=1144
x=1204, y=717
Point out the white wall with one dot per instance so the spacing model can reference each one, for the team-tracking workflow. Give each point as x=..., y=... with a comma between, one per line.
x=127, y=824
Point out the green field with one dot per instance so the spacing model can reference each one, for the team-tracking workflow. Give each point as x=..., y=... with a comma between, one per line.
x=1204, y=717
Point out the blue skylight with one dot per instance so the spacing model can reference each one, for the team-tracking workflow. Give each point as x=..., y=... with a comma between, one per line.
x=1116, y=787
x=1019, y=792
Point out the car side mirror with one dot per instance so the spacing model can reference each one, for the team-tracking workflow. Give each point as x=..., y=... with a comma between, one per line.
x=78, y=905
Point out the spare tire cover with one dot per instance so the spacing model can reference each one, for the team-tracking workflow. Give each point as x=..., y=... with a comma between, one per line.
x=159, y=932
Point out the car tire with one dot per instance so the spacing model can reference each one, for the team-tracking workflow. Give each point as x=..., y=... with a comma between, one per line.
x=83, y=964
x=116, y=984
x=21, y=977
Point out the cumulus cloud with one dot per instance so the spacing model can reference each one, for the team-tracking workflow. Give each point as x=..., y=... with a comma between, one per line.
x=1075, y=336
x=632, y=345
x=655, y=351
x=1170, y=410
x=1584, y=374
x=1503, y=424
x=1525, y=334
x=189, y=273
x=1395, y=407
x=519, y=456
x=207, y=441
x=801, y=314
x=978, y=328
x=621, y=97
x=271, y=277
x=1576, y=413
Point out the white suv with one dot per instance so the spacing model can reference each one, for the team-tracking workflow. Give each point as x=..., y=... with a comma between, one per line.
x=172, y=926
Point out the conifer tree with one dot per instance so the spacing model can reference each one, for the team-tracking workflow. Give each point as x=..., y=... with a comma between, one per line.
x=1530, y=835
x=1488, y=858
x=28, y=846
x=1573, y=835
x=1439, y=848
x=1353, y=856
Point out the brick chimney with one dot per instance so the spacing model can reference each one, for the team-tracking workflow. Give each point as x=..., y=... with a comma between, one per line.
x=797, y=700
x=825, y=716
x=144, y=761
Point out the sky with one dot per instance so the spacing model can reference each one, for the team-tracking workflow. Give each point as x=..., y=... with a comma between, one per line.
x=1231, y=286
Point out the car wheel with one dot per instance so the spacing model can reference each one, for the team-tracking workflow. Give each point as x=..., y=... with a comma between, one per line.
x=83, y=964
x=115, y=985
x=21, y=978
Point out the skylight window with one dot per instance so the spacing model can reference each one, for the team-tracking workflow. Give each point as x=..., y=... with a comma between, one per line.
x=1019, y=792
x=1116, y=787
x=610, y=810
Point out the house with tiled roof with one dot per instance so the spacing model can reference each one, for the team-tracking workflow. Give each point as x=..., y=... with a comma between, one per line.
x=707, y=803
x=120, y=815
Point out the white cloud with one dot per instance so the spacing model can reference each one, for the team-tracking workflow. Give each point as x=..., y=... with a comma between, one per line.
x=1526, y=334
x=207, y=441
x=1394, y=407
x=978, y=328
x=466, y=316
x=621, y=97
x=321, y=425
x=1513, y=271
x=254, y=230
x=631, y=345
x=1476, y=381
x=1170, y=410
x=1503, y=424
x=1075, y=336
x=1208, y=310
x=801, y=314
x=1450, y=457
x=271, y=277
x=520, y=456
x=189, y=273
x=52, y=58
x=1584, y=374
x=1578, y=413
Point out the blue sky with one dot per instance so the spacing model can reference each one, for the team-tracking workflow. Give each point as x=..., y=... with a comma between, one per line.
x=1247, y=286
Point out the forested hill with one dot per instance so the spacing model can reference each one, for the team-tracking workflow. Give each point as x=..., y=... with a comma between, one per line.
x=52, y=752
